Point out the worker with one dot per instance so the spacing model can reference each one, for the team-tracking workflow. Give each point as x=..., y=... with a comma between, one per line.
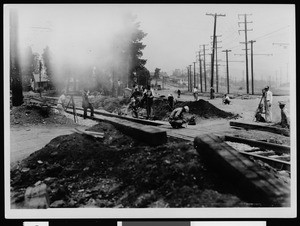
x=176, y=118
x=61, y=103
x=285, y=119
x=259, y=114
x=134, y=105
x=178, y=93
x=148, y=97
x=226, y=99
x=212, y=91
x=268, y=98
x=135, y=92
x=195, y=93
x=86, y=104
x=171, y=101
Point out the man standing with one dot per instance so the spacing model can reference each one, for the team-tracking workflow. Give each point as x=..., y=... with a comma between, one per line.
x=149, y=101
x=195, y=93
x=268, y=98
x=61, y=103
x=86, y=104
x=178, y=93
x=171, y=101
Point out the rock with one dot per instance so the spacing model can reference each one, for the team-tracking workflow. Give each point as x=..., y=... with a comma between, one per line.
x=38, y=183
x=159, y=204
x=24, y=170
x=57, y=204
x=37, y=197
x=40, y=162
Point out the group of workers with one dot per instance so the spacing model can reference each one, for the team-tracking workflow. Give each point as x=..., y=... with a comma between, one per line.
x=145, y=96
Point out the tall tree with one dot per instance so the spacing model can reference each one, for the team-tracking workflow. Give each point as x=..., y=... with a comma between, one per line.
x=15, y=75
x=128, y=47
x=47, y=56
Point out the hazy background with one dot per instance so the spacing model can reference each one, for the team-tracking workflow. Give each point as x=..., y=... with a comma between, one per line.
x=83, y=33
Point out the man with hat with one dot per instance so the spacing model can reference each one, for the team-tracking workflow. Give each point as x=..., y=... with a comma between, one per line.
x=285, y=119
x=176, y=117
x=268, y=98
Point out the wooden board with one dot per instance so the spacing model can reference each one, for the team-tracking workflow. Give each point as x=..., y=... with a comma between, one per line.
x=256, y=126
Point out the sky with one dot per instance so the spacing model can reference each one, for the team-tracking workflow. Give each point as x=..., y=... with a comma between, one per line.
x=174, y=33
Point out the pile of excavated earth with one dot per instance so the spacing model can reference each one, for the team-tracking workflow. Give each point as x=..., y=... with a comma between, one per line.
x=118, y=171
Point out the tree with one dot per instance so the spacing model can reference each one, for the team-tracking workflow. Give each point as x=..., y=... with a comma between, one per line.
x=156, y=75
x=47, y=56
x=127, y=49
x=143, y=76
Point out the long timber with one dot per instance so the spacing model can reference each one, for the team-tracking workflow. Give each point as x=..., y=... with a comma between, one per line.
x=256, y=126
x=281, y=149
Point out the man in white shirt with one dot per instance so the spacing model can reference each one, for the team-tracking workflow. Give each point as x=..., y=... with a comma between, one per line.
x=61, y=103
x=268, y=98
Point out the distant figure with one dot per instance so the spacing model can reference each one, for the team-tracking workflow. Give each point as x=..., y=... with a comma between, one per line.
x=171, y=101
x=149, y=101
x=226, y=99
x=178, y=93
x=212, y=91
x=61, y=103
x=268, y=98
x=86, y=104
x=176, y=118
x=285, y=119
x=195, y=93
x=259, y=114
x=135, y=93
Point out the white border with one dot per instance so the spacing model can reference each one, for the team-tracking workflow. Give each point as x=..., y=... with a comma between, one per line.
x=149, y=213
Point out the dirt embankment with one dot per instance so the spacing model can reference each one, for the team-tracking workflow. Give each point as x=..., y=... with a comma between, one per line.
x=121, y=172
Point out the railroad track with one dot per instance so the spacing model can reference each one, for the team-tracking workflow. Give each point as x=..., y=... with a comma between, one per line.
x=277, y=156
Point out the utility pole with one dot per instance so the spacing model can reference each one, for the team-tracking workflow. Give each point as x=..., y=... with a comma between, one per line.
x=40, y=86
x=214, y=45
x=227, y=69
x=188, y=77
x=252, y=76
x=14, y=54
x=195, y=82
x=217, y=71
x=246, y=45
x=200, y=69
x=204, y=67
x=191, y=83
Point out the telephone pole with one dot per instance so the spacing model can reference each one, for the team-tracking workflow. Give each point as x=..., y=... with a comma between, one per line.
x=200, y=69
x=14, y=56
x=227, y=69
x=214, y=45
x=252, y=76
x=246, y=45
x=191, y=81
x=188, y=75
x=217, y=71
x=204, y=67
x=194, y=74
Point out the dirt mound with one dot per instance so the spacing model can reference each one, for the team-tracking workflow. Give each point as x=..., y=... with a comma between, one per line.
x=200, y=108
x=205, y=109
x=29, y=114
x=121, y=172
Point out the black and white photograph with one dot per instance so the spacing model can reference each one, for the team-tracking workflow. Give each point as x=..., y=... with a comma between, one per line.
x=150, y=111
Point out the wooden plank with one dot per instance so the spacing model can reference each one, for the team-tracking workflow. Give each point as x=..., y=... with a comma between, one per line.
x=282, y=149
x=148, y=134
x=253, y=126
x=256, y=184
